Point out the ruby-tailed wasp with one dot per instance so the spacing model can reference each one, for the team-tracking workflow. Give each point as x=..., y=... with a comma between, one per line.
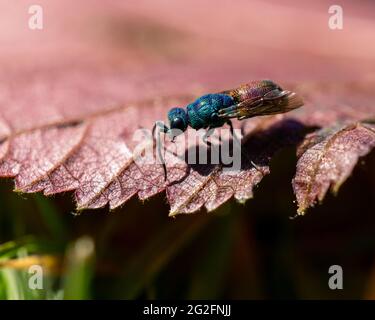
x=256, y=98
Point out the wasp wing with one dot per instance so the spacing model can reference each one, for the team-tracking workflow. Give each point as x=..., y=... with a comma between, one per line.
x=273, y=102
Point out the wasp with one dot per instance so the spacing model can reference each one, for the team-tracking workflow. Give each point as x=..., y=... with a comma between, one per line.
x=256, y=98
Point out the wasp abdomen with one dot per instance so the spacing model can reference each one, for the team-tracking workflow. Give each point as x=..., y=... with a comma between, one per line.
x=253, y=90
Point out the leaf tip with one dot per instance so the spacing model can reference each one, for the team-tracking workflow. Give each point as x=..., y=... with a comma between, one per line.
x=17, y=190
x=302, y=207
x=173, y=213
x=78, y=210
x=243, y=200
x=336, y=187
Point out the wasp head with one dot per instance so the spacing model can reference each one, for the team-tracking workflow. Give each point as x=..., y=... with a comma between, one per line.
x=178, y=121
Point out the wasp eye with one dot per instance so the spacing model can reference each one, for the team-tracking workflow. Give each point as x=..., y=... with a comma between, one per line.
x=178, y=123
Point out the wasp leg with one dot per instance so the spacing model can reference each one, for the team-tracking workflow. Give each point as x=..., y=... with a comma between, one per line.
x=235, y=138
x=164, y=129
x=207, y=134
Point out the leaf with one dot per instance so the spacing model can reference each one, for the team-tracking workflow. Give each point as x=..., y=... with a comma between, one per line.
x=326, y=159
x=89, y=148
x=88, y=153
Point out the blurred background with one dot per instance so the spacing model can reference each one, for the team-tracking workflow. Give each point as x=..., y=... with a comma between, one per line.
x=251, y=251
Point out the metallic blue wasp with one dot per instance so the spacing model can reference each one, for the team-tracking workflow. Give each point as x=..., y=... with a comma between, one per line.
x=211, y=111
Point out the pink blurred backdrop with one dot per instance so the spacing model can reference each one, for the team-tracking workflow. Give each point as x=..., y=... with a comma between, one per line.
x=218, y=42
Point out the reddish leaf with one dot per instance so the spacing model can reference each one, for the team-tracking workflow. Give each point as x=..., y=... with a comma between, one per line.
x=327, y=157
